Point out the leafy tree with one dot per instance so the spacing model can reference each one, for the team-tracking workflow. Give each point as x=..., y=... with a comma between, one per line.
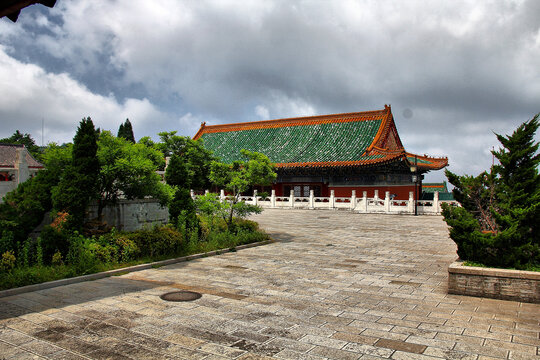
x=79, y=182
x=498, y=223
x=192, y=153
x=125, y=131
x=26, y=140
x=239, y=176
x=128, y=170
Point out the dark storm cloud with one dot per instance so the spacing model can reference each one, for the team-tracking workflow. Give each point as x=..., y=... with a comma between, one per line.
x=463, y=69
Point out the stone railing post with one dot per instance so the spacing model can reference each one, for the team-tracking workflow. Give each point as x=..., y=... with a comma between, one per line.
x=387, y=202
x=353, y=200
x=410, y=206
x=376, y=195
x=222, y=195
x=192, y=194
x=331, y=203
x=291, y=198
x=436, y=205
x=255, y=202
x=364, y=201
x=273, y=199
x=311, y=199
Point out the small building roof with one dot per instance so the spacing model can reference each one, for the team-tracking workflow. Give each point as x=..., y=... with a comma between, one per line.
x=432, y=187
x=338, y=140
x=8, y=157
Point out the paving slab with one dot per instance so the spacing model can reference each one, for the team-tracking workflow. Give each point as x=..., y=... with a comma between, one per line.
x=333, y=285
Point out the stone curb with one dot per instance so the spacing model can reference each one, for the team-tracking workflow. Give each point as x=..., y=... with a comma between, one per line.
x=101, y=275
x=458, y=268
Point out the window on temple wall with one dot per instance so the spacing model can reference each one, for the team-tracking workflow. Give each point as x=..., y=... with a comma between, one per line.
x=302, y=190
x=4, y=177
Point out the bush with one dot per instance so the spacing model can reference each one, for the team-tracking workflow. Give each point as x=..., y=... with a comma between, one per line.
x=53, y=240
x=8, y=262
x=158, y=240
x=57, y=259
x=80, y=255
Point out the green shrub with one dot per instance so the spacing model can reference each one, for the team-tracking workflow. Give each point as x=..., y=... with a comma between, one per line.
x=53, y=240
x=158, y=240
x=57, y=259
x=127, y=248
x=8, y=262
x=7, y=239
x=81, y=256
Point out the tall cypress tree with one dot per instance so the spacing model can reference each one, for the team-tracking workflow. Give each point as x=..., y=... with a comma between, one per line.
x=79, y=183
x=125, y=131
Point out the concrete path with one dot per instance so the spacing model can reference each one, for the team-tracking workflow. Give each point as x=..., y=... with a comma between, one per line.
x=334, y=285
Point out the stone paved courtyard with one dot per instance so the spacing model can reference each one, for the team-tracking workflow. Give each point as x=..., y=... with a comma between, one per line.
x=334, y=285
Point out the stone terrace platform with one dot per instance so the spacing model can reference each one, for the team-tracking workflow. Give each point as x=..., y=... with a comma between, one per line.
x=334, y=285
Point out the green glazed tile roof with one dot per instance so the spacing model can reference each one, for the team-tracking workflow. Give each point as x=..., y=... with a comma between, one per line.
x=327, y=142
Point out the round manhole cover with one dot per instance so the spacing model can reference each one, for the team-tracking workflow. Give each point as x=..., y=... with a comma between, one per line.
x=181, y=296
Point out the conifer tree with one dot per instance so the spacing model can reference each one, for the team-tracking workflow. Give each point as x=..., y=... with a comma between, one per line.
x=509, y=198
x=125, y=131
x=79, y=182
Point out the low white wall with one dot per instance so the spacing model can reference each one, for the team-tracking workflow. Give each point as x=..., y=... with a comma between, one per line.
x=130, y=215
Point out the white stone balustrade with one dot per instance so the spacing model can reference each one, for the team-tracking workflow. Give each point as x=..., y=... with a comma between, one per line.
x=362, y=205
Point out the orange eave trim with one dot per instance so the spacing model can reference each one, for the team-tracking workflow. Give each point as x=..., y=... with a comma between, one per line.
x=298, y=121
x=340, y=163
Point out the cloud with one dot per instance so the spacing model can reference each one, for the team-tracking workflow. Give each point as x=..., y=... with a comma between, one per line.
x=262, y=112
x=32, y=95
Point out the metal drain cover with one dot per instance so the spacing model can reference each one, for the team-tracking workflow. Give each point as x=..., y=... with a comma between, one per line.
x=181, y=296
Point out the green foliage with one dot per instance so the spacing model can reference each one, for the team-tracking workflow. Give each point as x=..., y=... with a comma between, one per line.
x=7, y=239
x=78, y=183
x=158, y=240
x=8, y=262
x=177, y=173
x=23, y=208
x=26, y=140
x=53, y=240
x=117, y=249
x=57, y=259
x=125, y=131
x=192, y=153
x=57, y=158
x=498, y=223
x=128, y=169
x=239, y=176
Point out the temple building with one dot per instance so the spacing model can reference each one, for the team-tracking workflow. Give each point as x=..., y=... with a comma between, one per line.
x=16, y=166
x=358, y=151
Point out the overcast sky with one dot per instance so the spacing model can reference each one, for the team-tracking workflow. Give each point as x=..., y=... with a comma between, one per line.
x=453, y=72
